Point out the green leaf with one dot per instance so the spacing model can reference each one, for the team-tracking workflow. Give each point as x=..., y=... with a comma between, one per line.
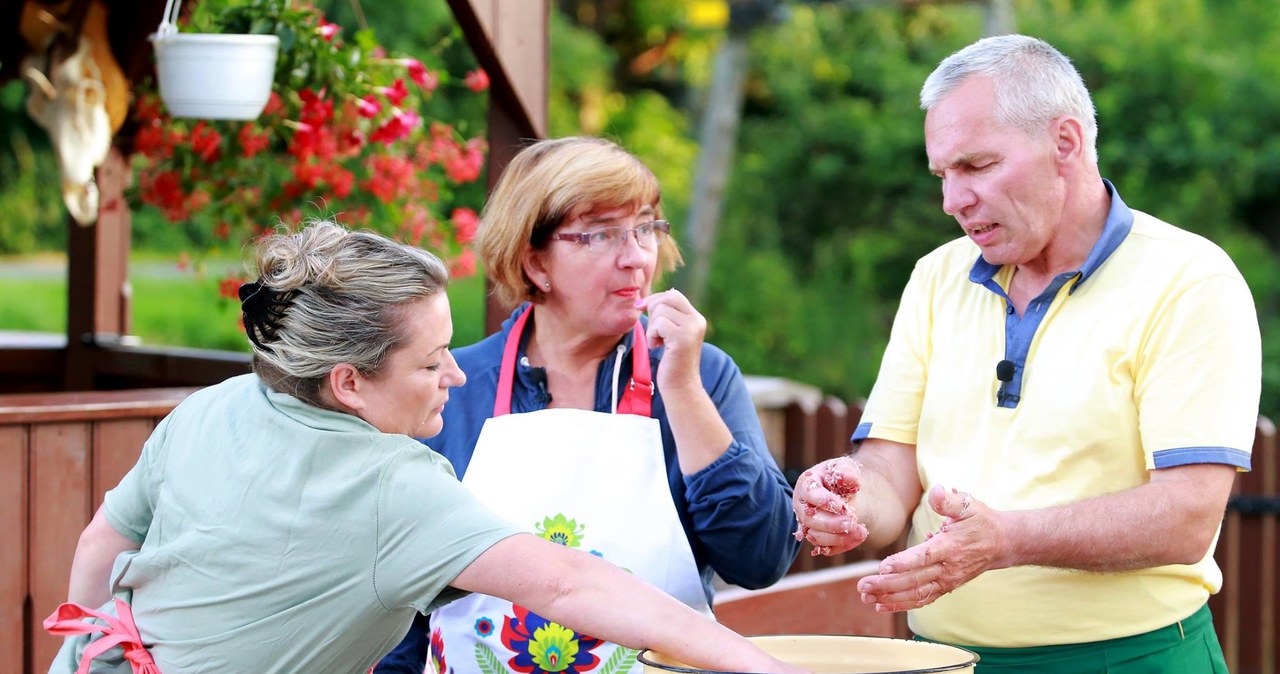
x=263, y=26
x=488, y=661
x=621, y=661
x=287, y=39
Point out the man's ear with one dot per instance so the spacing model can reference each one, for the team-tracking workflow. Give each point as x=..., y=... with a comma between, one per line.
x=1068, y=139
x=345, y=383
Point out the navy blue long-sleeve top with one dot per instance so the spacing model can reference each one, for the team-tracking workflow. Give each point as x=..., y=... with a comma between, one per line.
x=736, y=512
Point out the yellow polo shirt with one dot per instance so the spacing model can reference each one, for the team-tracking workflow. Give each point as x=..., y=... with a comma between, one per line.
x=1147, y=357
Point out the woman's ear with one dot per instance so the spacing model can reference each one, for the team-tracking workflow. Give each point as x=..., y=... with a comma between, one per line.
x=535, y=268
x=344, y=384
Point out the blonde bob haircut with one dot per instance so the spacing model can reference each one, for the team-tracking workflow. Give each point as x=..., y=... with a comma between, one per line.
x=548, y=183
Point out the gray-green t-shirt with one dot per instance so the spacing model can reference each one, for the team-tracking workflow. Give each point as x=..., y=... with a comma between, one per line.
x=280, y=537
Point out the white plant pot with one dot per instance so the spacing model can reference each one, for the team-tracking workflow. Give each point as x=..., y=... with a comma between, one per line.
x=215, y=76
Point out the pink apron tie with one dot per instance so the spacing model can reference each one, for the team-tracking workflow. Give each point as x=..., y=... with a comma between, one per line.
x=637, y=399
x=66, y=620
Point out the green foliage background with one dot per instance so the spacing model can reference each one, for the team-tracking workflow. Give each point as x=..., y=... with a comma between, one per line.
x=829, y=203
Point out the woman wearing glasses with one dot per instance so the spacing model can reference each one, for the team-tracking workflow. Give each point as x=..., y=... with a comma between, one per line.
x=597, y=417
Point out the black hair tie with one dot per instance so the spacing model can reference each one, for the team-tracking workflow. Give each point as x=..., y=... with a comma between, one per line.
x=263, y=308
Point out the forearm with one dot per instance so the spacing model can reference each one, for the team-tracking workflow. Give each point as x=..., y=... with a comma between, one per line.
x=592, y=596
x=96, y=553
x=1170, y=520
x=889, y=492
x=589, y=603
x=700, y=433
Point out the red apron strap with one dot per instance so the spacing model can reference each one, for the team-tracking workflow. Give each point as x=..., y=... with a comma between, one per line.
x=638, y=397
x=507, y=374
x=67, y=619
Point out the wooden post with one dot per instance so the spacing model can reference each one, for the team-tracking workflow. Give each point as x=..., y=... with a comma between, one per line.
x=98, y=289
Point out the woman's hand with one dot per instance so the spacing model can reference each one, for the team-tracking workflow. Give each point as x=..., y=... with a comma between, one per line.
x=675, y=324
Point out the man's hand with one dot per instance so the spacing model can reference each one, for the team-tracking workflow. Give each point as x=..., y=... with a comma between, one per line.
x=823, y=503
x=968, y=544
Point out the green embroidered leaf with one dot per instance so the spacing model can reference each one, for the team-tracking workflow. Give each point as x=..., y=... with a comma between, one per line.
x=620, y=662
x=488, y=662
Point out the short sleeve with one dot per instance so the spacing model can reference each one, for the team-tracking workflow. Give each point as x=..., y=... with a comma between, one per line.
x=893, y=408
x=430, y=528
x=1199, y=379
x=130, y=506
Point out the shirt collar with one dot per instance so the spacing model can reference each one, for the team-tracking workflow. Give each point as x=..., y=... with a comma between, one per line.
x=1119, y=223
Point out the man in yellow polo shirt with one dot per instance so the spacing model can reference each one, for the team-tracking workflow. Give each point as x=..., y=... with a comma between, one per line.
x=1067, y=394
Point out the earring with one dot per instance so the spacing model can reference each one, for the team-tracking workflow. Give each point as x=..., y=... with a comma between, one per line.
x=546, y=285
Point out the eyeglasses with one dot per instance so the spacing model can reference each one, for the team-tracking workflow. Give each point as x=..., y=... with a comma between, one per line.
x=606, y=239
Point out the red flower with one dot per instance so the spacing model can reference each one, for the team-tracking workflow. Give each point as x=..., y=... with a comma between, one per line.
x=340, y=180
x=153, y=141
x=327, y=30
x=368, y=107
x=396, y=93
x=466, y=165
x=149, y=109
x=164, y=191
x=251, y=142
x=401, y=125
x=477, y=80
x=206, y=142
x=465, y=222
x=464, y=265
x=316, y=109
x=425, y=79
x=274, y=104
x=391, y=177
x=229, y=287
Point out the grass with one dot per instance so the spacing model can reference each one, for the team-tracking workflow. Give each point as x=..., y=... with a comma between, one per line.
x=172, y=308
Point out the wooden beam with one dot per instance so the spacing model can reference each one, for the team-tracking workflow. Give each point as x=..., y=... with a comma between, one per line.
x=510, y=39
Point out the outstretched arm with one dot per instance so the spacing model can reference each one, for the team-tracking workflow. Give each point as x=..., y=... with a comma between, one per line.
x=590, y=595
x=96, y=552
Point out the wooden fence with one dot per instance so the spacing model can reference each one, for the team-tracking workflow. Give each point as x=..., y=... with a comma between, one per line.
x=60, y=452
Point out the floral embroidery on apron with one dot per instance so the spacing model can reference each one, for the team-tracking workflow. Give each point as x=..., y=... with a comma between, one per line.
x=556, y=472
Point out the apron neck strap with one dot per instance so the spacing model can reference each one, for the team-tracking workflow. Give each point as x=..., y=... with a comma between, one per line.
x=636, y=399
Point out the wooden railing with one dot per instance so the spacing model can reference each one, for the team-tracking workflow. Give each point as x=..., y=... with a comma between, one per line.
x=60, y=452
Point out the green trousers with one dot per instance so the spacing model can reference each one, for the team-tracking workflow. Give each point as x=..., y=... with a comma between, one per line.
x=1188, y=646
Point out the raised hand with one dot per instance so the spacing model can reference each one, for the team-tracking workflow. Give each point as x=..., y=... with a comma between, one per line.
x=675, y=324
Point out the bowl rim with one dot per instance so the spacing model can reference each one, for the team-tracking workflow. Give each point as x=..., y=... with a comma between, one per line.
x=973, y=659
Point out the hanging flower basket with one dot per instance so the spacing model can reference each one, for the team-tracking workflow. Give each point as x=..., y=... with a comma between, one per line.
x=211, y=75
x=350, y=130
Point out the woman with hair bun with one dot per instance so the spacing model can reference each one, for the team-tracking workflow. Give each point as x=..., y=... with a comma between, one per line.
x=288, y=521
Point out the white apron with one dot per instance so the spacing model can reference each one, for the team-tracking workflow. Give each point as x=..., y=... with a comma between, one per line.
x=584, y=479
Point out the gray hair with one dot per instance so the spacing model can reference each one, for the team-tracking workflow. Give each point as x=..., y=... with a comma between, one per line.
x=1034, y=83
x=342, y=294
